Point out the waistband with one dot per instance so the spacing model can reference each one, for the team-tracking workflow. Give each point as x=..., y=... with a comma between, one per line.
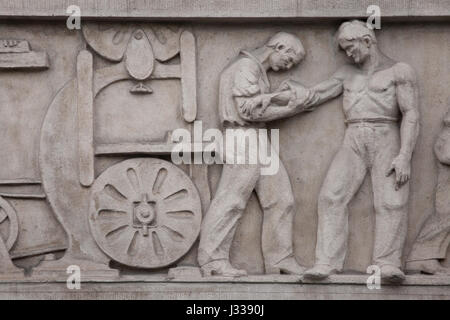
x=386, y=120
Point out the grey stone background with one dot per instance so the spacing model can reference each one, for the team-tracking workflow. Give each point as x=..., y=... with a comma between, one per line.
x=307, y=142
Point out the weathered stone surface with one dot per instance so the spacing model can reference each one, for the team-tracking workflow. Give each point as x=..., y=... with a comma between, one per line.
x=89, y=177
x=207, y=9
x=27, y=60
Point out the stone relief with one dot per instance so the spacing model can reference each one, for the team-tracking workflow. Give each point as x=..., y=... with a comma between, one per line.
x=8, y=216
x=381, y=112
x=431, y=245
x=17, y=54
x=145, y=213
x=124, y=224
x=22, y=195
x=245, y=101
x=123, y=205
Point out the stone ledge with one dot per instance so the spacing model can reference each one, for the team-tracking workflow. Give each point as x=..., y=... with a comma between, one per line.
x=340, y=279
x=220, y=291
x=229, y=9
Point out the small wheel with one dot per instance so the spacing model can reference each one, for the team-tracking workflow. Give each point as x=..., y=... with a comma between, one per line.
x=145, y=212
x=7, y=213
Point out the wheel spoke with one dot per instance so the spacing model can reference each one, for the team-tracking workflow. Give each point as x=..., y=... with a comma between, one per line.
x=158, y=248
x=177, y=205
x=134, y=181
x=177, y=195
x=112, y=191
x=105, y=201
x=121, y=240
x=116, y=230
x=120, y=182
x=159, y=181
x=174, y=234
x=112, y=214
x=185, y=214
x=106, y=224
x=133, y=247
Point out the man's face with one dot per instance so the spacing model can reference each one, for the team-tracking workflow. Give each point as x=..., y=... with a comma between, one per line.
x=357, y=50
x=283, y=58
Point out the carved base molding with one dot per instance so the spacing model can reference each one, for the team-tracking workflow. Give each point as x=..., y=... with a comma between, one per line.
x=344, y=279
x=253, y=287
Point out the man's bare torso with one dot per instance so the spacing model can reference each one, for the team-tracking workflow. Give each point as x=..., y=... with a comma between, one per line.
x=371, y=96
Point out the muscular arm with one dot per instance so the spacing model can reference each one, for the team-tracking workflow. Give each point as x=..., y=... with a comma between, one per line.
x=407, y=98
x=408, y=102
x=267, y=107
x=298, y=98
x=325, y=91
x=319, y=93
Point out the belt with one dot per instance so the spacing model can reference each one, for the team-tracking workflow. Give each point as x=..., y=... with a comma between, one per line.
x=372, y=120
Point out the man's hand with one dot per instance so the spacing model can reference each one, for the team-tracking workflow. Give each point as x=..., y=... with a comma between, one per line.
x=402, y=167
x=300, y=97
x=262, y=101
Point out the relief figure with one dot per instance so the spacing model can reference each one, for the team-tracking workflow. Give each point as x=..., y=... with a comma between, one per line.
x=246, y=103
x=380, y=104
x=431, y=245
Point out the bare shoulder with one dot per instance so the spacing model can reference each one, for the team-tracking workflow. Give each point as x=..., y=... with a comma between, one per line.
x=404, y=73
x=345, y=71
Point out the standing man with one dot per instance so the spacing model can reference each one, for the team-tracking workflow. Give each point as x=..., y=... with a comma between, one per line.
x=245, y=103
x=382, y=116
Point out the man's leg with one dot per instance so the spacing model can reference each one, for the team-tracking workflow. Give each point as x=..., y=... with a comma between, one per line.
x=277, y=201
x=344, y=178
x=235, y=187
x=391, y=209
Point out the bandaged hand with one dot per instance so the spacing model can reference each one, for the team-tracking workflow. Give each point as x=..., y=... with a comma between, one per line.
x=301, y=95
x=257, y=104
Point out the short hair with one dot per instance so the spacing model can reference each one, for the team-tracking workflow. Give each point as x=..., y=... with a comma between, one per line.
x=355, y=30
x=290, y=41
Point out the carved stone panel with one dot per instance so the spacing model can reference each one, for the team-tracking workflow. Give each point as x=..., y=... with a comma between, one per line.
x=115, y=156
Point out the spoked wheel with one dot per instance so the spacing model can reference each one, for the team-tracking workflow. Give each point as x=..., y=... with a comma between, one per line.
x=145, y=212
x=8, y=221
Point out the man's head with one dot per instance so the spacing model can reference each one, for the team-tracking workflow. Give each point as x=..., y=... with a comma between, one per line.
x=287, y=51
x=356, y=39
